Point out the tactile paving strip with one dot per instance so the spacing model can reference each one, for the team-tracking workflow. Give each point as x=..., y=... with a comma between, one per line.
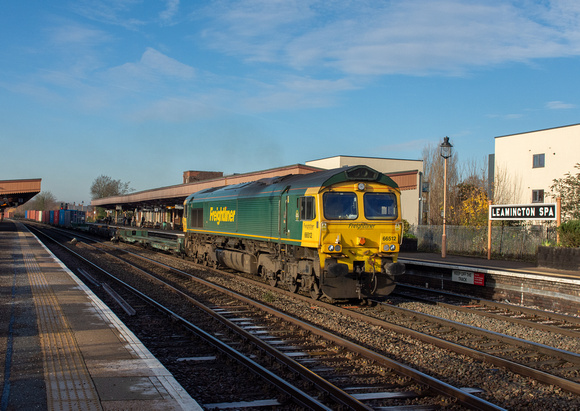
x=69, y=384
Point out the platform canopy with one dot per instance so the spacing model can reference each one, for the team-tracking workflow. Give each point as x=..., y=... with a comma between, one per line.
x=14, y=193
x=173, y=196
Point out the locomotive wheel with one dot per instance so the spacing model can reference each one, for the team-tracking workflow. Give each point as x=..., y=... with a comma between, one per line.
x=315, y=293
x=272, y=278
x=293, y=286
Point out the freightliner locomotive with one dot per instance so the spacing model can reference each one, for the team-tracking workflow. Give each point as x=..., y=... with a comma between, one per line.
x=335, y=233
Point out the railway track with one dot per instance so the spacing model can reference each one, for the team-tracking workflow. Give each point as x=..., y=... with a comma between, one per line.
x=530, y=317
x=530, y=396
x=545, y=364
x=321, y=361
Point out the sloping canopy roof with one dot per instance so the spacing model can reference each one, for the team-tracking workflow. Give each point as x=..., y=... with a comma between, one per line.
x=14, y=193
x=176, y=195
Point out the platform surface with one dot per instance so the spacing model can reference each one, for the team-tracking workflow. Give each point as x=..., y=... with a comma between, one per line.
x=512, y=266
x=61, y=348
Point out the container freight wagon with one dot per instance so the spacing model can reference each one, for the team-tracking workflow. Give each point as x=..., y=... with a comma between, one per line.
x=78, y=217
x=63, y=218
x=68, y=218
x=335, y=233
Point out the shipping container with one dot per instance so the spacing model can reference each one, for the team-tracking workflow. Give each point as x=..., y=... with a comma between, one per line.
x=79, y=217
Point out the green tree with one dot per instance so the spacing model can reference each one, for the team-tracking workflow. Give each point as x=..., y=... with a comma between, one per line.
x=105, y=186
x=568, y=188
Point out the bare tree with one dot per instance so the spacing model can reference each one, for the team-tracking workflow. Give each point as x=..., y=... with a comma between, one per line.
x=433, y=165
x=475, y=174
x=43, y=201
x=507, y=189
x=105, y=186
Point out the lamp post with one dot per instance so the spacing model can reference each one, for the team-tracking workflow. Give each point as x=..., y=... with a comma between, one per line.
x=446, y=150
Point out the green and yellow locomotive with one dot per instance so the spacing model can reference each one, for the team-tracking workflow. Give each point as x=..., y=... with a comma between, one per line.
x=335, y=233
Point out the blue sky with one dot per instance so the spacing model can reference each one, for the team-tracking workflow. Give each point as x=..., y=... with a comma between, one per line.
x=143, y=90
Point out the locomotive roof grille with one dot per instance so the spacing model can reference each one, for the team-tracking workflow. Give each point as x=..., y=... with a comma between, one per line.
x=362, y=174
x=358, y=173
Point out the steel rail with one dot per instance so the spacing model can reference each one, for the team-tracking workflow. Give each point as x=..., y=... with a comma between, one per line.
x=336, y=393
x=295, y=393
x=502, y=306
x=520, y=369
x=467, y=399
x=463, y=397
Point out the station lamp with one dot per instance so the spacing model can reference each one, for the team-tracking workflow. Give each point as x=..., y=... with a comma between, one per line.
x=446, y=151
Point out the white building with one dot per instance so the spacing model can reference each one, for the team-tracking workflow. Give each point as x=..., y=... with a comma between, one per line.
x=408, y=174
x=529, y=162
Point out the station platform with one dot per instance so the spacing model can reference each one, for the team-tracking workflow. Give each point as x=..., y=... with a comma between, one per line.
x=454, y=261
x=62, y=348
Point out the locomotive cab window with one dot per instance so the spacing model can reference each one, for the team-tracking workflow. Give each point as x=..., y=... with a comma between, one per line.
x=340, y=206
x=306, y=207
x=380, y=206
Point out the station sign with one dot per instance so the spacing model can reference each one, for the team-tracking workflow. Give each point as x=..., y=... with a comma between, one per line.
x=523, y=212
x=468, y=277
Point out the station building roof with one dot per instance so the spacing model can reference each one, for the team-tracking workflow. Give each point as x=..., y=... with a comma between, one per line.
x=174, y=196
x=14, y=193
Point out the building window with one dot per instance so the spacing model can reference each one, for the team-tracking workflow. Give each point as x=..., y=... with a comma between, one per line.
x=539, y=160
x=537, y=196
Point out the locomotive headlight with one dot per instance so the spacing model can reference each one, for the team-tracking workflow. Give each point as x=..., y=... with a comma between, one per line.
x=333, y=248
x=388, y=247
x=361, y=186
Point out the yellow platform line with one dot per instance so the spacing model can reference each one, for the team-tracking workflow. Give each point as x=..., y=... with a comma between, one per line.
x=69, y=385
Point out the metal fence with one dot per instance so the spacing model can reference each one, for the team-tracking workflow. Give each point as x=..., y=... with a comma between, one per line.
x=519, y=242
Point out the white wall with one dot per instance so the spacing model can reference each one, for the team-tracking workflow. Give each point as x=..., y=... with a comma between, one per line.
x=514, y=154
